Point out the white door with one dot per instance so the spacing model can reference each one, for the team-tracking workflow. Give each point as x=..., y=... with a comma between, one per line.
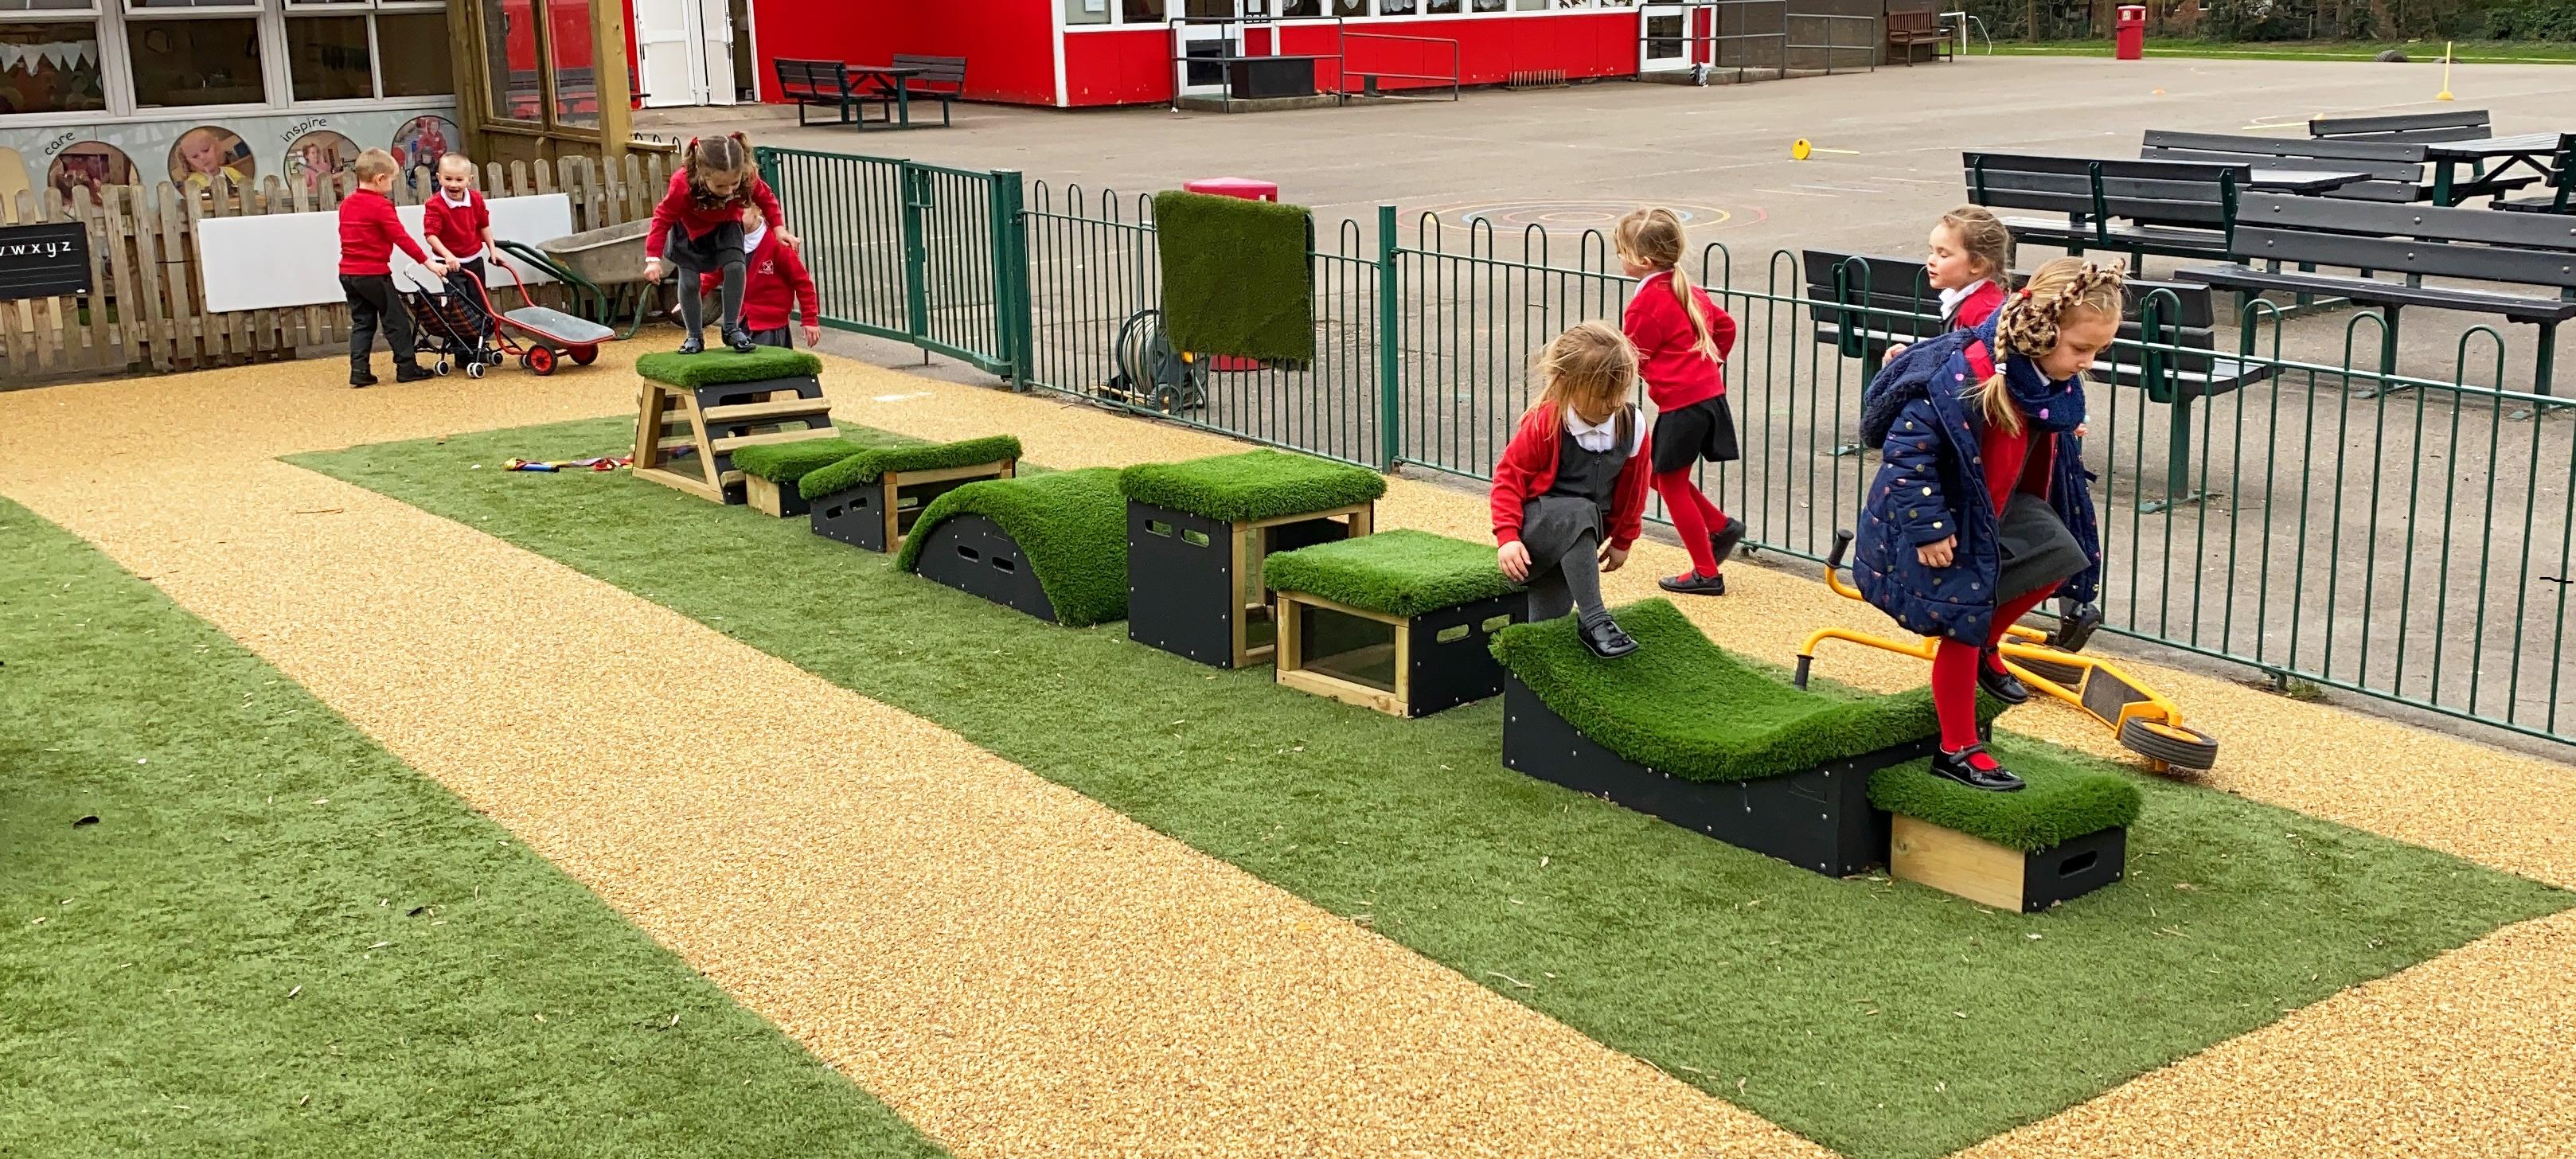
x=1207, y=33
x=684, y=51
x=1665, y=41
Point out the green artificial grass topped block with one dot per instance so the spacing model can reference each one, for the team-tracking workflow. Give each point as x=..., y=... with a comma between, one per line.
x=2060, y=802
x=1072, y=525
x=1684, y=706
x=1397, y=573
x=715, y=367
x=868, y=464
x=1235, y=276
x=788, y=462
x=1252, y=486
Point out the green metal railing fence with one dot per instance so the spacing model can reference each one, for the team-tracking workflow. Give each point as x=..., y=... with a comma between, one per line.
x=2404, y=537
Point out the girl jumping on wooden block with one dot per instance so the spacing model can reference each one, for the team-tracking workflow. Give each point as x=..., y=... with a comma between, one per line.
x=1569, y=495
x=1968, y=260
x=1682, y=342
x=699, y=223
x=1982, y=508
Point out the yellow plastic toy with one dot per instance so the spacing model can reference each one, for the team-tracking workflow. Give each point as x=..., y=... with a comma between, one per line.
x=2145, y=722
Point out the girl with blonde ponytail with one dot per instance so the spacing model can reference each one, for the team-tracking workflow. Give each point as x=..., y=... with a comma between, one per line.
x=1982, y=509
x=1682, y=342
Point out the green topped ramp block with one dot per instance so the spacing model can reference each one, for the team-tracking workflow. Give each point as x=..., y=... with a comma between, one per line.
x=1400, y=621
x=770, y=471
x=2064, y=835
x=1051, y=545
x=872, y=499
x=1687, y=731
x=1198, y=534
x=724, y=367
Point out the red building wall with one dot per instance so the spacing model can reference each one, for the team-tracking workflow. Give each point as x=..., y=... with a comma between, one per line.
x=1008, y=44
x=1134, y=66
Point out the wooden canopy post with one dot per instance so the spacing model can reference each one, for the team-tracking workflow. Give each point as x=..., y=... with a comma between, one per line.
x=609, y=80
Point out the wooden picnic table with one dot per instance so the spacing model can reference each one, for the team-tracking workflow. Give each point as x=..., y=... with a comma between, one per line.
x=2519, y=149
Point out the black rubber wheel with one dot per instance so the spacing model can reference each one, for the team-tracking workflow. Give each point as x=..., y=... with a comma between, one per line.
x=439, y=368
x=2069, y=676
x=2180, y=746
x=1167, y=399
x=474, y=369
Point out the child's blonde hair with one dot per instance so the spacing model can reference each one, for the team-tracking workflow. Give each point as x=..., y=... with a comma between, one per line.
x=1984, y=237
x=1590, y=369
x=456, y=161
x=2029, y=323
x=1654, y=238
x=375, y=163
x=730, y=153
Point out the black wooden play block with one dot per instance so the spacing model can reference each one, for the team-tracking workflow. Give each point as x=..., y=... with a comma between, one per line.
x=878, y=513
x=1194, y=586
x=1402, y=666
x=1990, y=874
x=974, y=555
x=1820, y=819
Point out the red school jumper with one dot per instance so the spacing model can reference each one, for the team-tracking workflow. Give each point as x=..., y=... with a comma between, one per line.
x=774, y=278
x=1528, y=469
x=680, y=207
x=369, y=233
x=458, y=227
x=1980, y=304
x=1668, y=357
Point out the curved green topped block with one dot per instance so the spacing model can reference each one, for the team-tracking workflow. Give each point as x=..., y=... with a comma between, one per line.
x=1252, y=486
x=874, y=461
x=788, y=462
x=1396, y=573
x=1072, y=526
x=716, y=367
x=2060, y=802
x=1684, y=706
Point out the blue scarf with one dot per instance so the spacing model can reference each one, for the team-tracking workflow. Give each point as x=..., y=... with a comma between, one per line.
x=2055, y=407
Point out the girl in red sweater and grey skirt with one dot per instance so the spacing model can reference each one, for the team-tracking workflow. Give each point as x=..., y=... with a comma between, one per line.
x=1682, y=342
x=1569, y=495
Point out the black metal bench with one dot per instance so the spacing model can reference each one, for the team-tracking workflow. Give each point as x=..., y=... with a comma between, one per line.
x=2450, y=125
x=942, y=78
x=2174, y=208
x=2421, y=241
x=2394, y=170
x=2559, y=195
x=823, y=83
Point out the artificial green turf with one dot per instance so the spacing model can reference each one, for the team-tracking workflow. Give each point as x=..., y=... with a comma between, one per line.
x=1837, y=1005
x=1235, y=276
x=789, y=462
x=1682, y=705
x=715, y=367
x=231, y=925
x=1251, y=486
x=2060, y=803
x=1072, y=525
x=857, y=469
x=1399, y=573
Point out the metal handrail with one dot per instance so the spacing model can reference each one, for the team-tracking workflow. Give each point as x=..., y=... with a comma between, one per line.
x=1180, y=51
x=1830, y=48
x=1342, y=67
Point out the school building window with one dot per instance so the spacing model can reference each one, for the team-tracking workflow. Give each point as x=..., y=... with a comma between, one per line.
x=141, y=57
x=50, y=67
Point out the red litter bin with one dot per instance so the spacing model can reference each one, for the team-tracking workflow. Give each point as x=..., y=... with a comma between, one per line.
x=1249, y=190
x=2132, y=29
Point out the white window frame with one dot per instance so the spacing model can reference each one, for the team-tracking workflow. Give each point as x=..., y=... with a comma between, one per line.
x=114, y=18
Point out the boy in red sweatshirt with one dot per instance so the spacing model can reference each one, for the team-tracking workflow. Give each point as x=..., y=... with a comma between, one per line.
x=774, y=279
x=370, y=232
x=455, y=220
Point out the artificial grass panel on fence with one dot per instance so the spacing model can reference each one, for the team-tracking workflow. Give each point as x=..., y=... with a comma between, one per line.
x=1398, y=573
x=1835, y=1004
x=2058, y=804
x=1684, y=706
x=717, y=367
x=789, y=462
x=277, y=939
x=857, y=469
x=1252, y=486
x=1236, y=278
x=1071, y=524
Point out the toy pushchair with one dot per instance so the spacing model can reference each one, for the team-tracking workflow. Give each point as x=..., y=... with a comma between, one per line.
x=454, y=324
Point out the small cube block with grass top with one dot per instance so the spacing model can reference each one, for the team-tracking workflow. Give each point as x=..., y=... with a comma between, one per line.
x=1398, y=621
x=1683, y=730
x=1052, y=545
x=2063, y=835
x=696, y=410
x=771, y=471
x=1199, y=531
x=872, y=499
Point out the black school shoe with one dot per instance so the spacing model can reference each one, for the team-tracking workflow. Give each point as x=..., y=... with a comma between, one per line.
x=411, y=372
x=740, y=340
x=1691, y=583
x=1723, y=541
x=360, y=378
x=1606, y=639
x=693, y=344
x=2001, y=685
x=1955, y=767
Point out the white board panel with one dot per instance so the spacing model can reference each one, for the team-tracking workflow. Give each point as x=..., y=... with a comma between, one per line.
x=293, y=259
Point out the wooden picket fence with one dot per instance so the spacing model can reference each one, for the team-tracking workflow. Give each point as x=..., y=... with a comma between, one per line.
x=145, y=309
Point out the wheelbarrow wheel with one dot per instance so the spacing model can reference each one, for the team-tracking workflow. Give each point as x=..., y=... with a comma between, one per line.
x=540, y=359
x=2179, y=746
x=584, y=355
x=2055, y=672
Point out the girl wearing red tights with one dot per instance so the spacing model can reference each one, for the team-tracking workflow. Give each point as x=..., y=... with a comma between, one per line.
x=1981, y=509
x=1682, y=341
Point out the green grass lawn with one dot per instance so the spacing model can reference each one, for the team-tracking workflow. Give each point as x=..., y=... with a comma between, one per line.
x=277, y=939
x=2417, y=52
x=1885, y=1020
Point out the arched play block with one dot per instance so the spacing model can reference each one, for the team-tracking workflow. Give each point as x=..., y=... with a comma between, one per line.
x=694, y=411
x=1198, y=533
x=1399, y=621
x=1051, y=545
x=873, y=499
